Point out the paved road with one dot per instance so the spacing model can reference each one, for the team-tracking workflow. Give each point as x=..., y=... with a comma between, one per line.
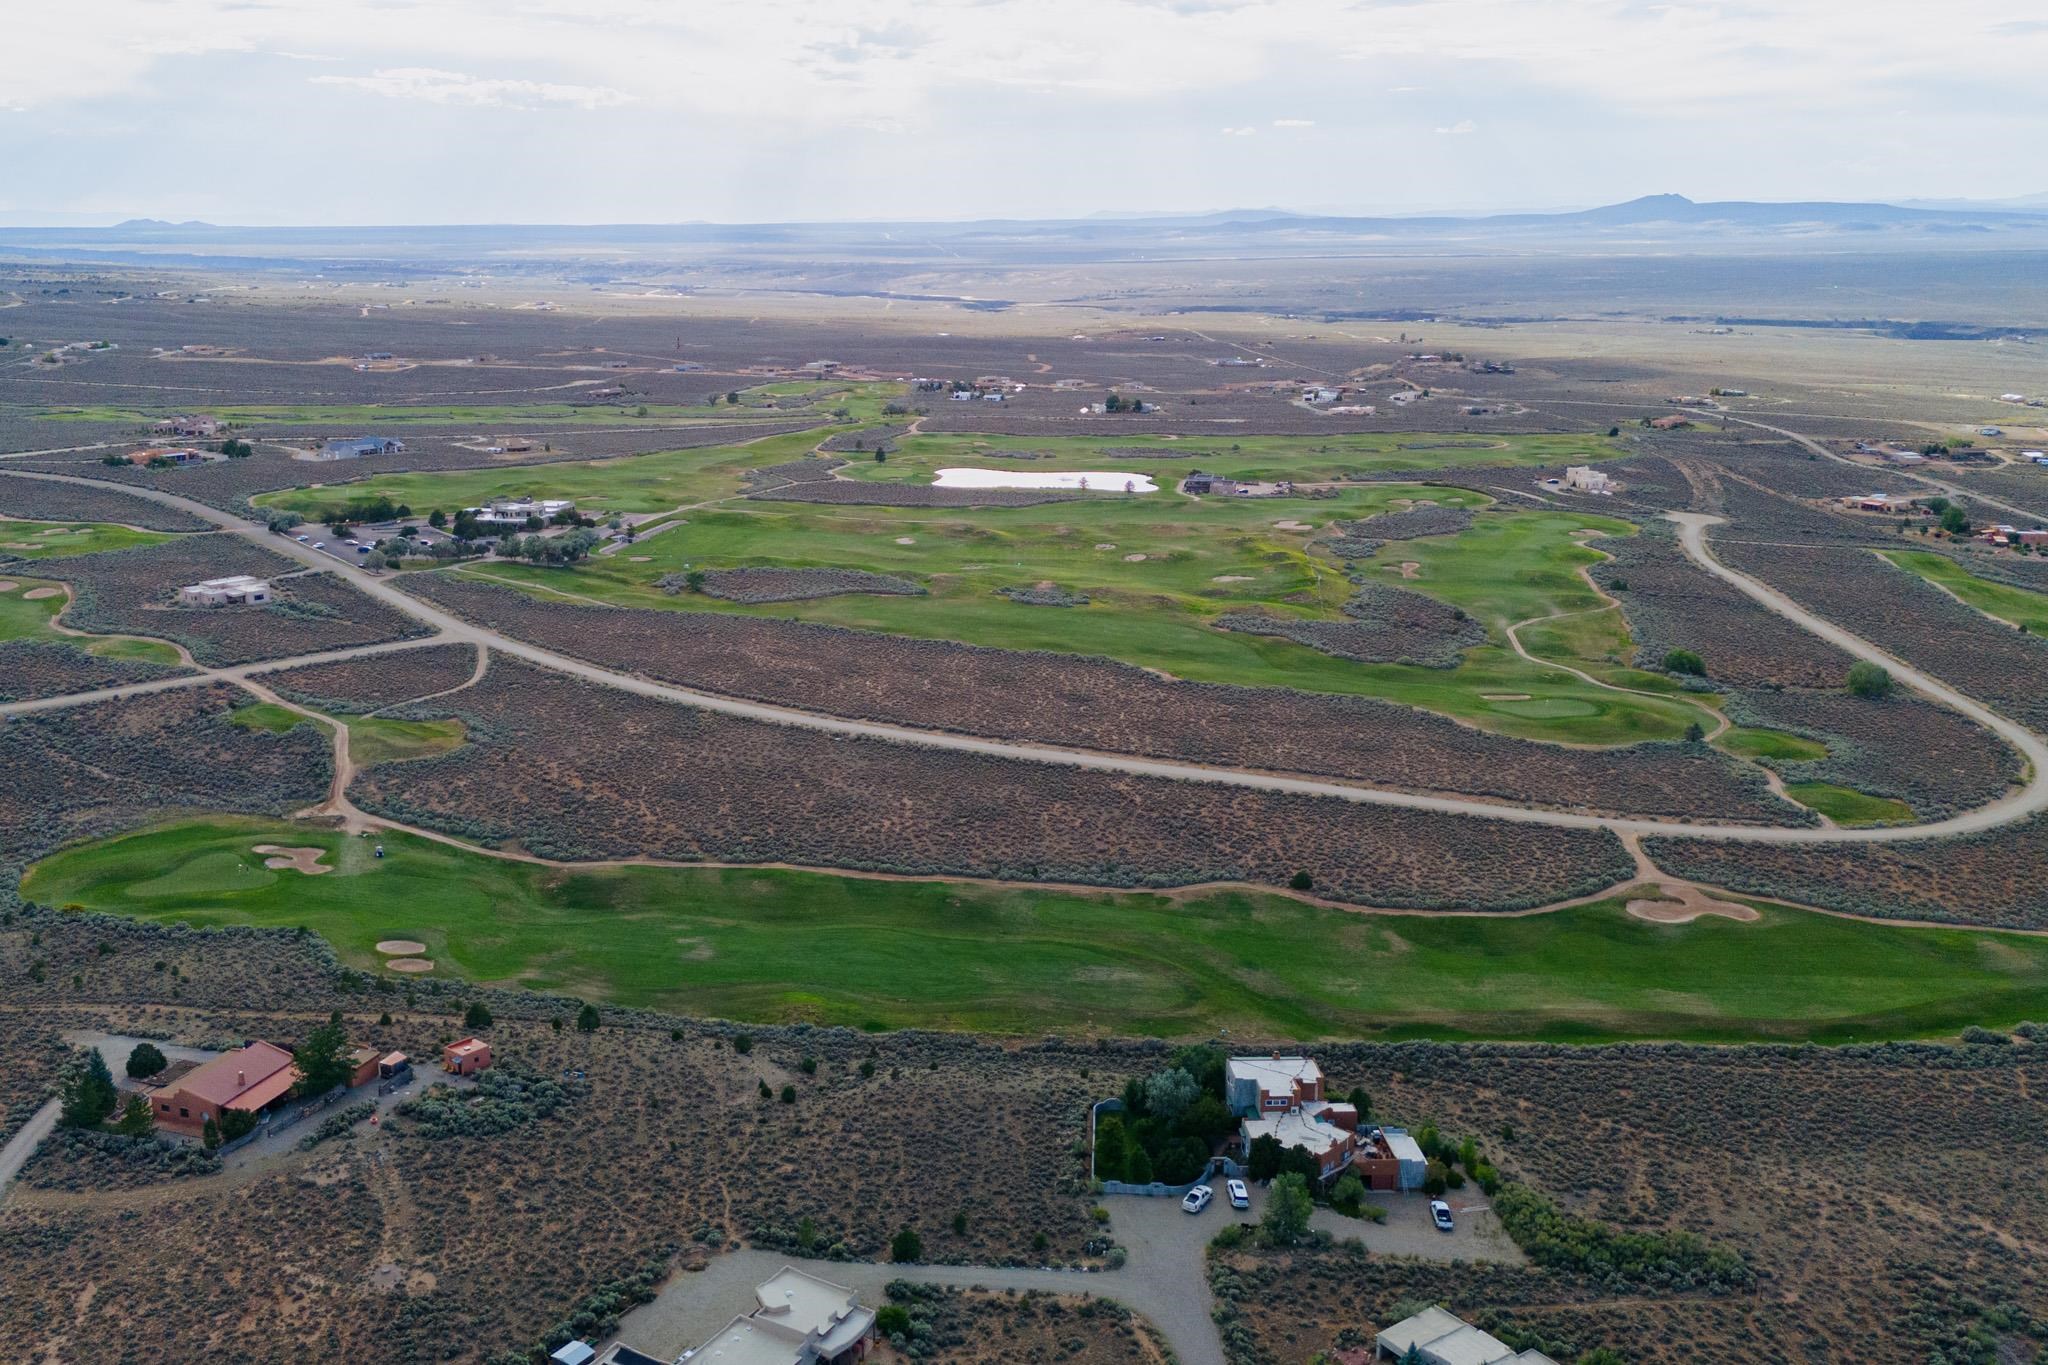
x=2031, y=799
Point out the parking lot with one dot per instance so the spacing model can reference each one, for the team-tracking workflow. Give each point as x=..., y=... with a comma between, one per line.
x=1168, y=1234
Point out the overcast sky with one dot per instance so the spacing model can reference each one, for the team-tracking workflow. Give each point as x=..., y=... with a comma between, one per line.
x=577, y=111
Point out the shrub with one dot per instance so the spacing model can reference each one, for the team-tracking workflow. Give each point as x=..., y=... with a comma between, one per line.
x=146, y=1060
x=476, y=1016
x=1975, y=1034
x=1302, y=881
x=906, y=1245
x=789, y=1094
x=1288, y=1207
x=1563, y=1241
x=587, y=1018
x=892, y=1320
x=1348, y=1196
x=1873, y=682
x=743, y=1043
x=1685, y=661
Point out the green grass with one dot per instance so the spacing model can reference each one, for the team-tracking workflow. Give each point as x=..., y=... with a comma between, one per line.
x=22, y=619
x=1199, y=561
x=2015, y=606
x=268, y=717
x=379, y=739
x=50, y=539
x=1846, y=805
x=1745, y=742
x=147, y=651
x=1301, y=459
x=771, y=945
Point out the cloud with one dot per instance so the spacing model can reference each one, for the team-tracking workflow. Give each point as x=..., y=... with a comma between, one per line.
x=1459, y=129
x=1294, y=123
x=455, y=87
x=1245, y=131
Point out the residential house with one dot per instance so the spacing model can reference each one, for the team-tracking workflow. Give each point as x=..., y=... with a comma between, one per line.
x=467, y=1057
x=357, y=447
x=800, y=1320
x=1327, y=1132
x=234, y=591
x=516, y=512
x=1258, y=1086
x=1890, y=503
x=249, y=1080
x=1583, y=478
x=190, y=427
x=1440, y=1337
x=1671, y=422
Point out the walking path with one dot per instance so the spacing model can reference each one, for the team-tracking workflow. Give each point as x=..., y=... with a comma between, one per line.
x=2028, y=801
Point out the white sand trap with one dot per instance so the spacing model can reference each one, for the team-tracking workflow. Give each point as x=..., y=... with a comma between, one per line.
x=1504, y=696
x=1407, y=568
x=400, y=947
x=1135, y=559
x=639, y=559
x=306, y=860
x=906, y=540
x=1105, y=545
x=1293, y=526
x=1682, y=904
x=60, y=531
x=413, y=965
x=37, y=594
x=19, y=545
x=1071, y=480
x=1232, y=578
x=8, y=585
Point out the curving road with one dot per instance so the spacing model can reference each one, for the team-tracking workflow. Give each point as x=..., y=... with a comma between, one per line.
x=2027, y=801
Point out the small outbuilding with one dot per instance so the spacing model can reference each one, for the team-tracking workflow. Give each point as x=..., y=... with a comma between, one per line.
x=237, y=590
x=467, y=1057
x=575, y=1353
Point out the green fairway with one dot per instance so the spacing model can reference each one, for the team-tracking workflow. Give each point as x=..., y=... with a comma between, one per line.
x=26, y=618
x=772, y=945
x=49, y=539
x=1299, y=459
x=268, y=717
x=1158, y=572
x=2014, y=606
x=1746, y=742
x=380, y=739
x=1846, y=805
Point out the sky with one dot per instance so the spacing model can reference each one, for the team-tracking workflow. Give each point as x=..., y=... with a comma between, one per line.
x=634, y=111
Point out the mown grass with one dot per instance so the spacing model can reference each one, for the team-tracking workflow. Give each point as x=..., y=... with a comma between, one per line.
x=51, y=539
x=1846, y=805
x=23, y=619
x=381, y=739
x=2015, y=606
x=1748, y=742
x=268, y=717
x=766, y=944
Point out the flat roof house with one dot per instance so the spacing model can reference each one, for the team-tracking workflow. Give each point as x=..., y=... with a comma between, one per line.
x=234, y=591
x=801, y=1320
x=250, y=1079
x=1440, y=1337
x=1264, y=1085
x=467, y=1057
x=1327, y=1132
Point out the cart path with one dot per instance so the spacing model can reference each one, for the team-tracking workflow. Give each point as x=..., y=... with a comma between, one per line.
x=2027, y=801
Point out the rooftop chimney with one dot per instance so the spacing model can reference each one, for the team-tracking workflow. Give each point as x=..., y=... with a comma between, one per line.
x=241, y=1078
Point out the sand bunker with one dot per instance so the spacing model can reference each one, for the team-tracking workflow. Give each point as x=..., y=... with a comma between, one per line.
x=639, y=559
x=1293, y=526
x=906, y=540
x=412, y=965
x=1407, y=568
x=18, y=545
x=37, y=594
x=400, y=947
x=1231, y=578
x=1096, y=480
x=1105, y=545
x=1680, y=903
x=8, y=585
x=1504, y=696
x=306, y=860
x=1128, y=559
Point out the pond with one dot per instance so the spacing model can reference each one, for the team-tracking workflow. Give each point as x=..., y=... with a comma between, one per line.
x=1078, y=480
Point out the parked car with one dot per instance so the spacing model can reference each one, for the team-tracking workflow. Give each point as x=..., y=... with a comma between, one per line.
x=1440, y=1214
x=1198, y=1199
x=1240, y=1197
x=319, y=544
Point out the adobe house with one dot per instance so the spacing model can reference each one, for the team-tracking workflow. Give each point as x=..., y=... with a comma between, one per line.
x=249, y=1080
x=467, y=1057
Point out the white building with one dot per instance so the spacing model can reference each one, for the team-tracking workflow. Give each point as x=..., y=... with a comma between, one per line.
x=238, y=590
x=1440, y=1337
x=516, y=511
x=1583, y=478
x=801, y=1320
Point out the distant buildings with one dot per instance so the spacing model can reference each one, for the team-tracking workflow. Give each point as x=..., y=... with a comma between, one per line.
x=1888, y=503
x=801, y=1320
x=511, y=513
x=238, y=590
x=1669, y=422
x=190, y=427
x=1436, y=1336
x=1583, y=478
x=1199, y=484
x=180, y=455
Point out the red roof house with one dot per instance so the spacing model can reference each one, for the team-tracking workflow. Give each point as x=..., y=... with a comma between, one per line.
x=249, y=1079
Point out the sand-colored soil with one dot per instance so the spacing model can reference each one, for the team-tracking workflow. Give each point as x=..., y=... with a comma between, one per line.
x=1407, y=568
x=906, y=540
x=411, y=965
x=639, y=559
x=17, y=544
x=306, y=860
x=1232, y=578
x=1106, y=545
x=1128, y=559
x=1292, y=525
x=37, y=594
x=1503, y=696
x=1682, y=903
x=400, y=947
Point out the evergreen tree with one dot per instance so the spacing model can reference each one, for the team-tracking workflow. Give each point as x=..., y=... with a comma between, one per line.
x=88, y=1095
x=322, y=1059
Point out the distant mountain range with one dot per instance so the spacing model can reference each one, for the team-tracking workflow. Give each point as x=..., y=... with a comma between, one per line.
x=1652, y=222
